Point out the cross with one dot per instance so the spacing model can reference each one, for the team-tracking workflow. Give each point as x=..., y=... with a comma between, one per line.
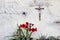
x=39, y=9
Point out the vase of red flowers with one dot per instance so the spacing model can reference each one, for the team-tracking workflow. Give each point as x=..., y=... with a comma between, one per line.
x=25, y=31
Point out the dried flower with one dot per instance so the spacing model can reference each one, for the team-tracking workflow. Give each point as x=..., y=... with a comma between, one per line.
x=32, y=24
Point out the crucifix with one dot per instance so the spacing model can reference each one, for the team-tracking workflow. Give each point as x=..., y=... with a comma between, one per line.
x=39, y=4
x=39, y=9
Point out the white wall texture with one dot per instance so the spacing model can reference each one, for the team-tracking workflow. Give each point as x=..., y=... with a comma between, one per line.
x=11, y=15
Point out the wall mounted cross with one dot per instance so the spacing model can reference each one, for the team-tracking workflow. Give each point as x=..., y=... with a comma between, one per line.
x=39, y=9
x=39, y=4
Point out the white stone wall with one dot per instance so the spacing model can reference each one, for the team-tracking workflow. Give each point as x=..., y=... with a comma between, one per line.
x=11, y=15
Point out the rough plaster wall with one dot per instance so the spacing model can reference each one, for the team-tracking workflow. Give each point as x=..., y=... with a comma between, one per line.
x=11, y=14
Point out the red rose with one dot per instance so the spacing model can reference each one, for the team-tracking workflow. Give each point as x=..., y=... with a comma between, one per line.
x=27, y=23
x=23, y=25
x=33, y=29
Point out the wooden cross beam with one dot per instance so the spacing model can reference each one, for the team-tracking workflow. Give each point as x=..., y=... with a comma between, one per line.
x=39, y=9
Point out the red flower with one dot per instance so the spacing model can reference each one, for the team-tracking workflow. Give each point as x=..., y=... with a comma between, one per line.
x=27, y=23
x=33, y=29
x=23, y=25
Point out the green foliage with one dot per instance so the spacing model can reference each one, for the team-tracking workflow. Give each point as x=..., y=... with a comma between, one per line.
x=42, y=38
x=51, y=38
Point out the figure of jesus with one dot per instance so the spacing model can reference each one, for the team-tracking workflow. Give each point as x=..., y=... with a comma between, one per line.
x=39, y=9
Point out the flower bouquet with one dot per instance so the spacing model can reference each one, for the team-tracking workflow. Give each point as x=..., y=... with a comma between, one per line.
x=24, y=32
